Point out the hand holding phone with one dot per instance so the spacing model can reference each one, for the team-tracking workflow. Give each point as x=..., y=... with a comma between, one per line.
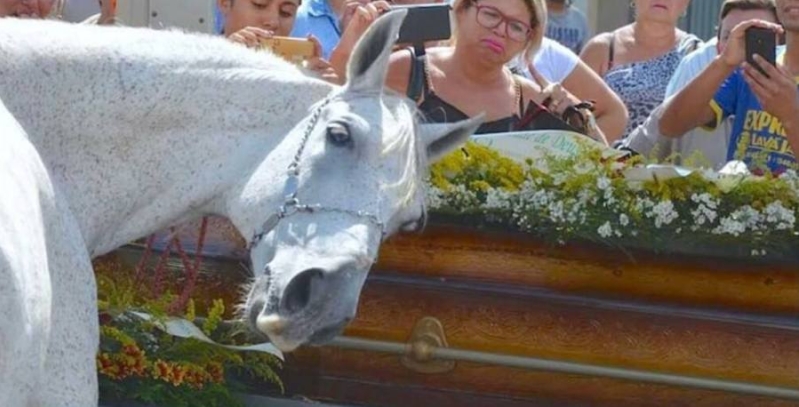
x=763, y=42
x=295, y=50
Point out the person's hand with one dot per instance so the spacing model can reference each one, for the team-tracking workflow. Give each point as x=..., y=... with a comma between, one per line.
x=361, y=16
x=350, y=7
x=319, y=65
x=734, y=53
x=250, y=37
x=776, y=92
x=554, y=96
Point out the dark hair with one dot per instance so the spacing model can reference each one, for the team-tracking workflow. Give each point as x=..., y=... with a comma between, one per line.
x=729, y=5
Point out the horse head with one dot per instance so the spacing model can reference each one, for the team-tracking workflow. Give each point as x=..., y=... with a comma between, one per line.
x=355, y=177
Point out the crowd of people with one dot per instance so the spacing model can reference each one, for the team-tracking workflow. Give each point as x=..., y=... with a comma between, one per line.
x=647, y=87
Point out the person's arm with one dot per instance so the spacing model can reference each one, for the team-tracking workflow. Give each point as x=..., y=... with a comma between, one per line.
x=778, y=95
x=595, y=54
x=362, y=17
x=399, y=71
x=691, y=107
x=610, y=112
x=689, y=67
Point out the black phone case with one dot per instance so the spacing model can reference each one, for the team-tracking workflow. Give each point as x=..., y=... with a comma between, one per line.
x=763, y=42
x=425, y=23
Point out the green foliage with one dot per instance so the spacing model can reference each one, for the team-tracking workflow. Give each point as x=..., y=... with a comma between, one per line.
x=590, y=197
x=139, y=362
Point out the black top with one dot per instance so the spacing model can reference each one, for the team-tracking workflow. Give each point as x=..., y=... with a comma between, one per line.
x=438, y=110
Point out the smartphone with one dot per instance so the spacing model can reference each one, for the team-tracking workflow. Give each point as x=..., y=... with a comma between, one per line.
x=295, y=50
x=426, y=22
x=763, y=42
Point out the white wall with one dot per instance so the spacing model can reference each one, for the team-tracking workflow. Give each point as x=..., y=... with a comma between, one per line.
x=191, y=15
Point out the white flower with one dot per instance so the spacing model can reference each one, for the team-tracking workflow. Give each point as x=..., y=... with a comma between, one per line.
x=603, y=183
x=789, y=175
x=642, y=205
x=664, y=213
x=705, y=211
x=556, y=211
x=605, y=230
x=737, y=222
x=498, y=199
x=434, y=198
x=624, y=220
x=585, y=196
x=777, y=214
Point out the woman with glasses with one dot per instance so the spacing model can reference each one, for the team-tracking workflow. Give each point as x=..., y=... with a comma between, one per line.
x=471, y=76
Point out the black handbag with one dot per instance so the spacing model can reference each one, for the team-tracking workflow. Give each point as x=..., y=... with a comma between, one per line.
x=538, y=117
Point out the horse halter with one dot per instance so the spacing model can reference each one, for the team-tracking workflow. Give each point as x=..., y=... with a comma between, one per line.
x=292, y=204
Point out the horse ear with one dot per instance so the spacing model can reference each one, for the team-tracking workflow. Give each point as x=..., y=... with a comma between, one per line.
x=443, y=138
x=368, y=64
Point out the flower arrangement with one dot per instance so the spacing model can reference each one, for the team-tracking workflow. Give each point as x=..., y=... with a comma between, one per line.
x=139, y=361
x=587, y=196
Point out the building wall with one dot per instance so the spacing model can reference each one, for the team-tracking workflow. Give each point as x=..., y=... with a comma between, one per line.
x=703, y=17
x=607, y=15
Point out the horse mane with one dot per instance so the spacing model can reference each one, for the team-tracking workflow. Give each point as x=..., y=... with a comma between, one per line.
x=416, y=165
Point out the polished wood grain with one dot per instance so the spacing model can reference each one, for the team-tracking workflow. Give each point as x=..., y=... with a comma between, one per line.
x=380, y=380
x=463, y=252
x=704, y=344
x=509, y=258
x=510, y=294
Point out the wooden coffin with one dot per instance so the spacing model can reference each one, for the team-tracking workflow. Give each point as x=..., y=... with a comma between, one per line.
x=508, y=295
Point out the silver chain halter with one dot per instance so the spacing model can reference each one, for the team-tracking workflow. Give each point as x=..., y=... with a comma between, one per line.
x=292, y=204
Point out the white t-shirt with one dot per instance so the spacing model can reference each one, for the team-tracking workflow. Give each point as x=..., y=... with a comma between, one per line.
x=553, y=61
x=712, y=144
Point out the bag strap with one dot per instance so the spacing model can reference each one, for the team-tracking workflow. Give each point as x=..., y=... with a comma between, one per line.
x=417, y=80
x=611, y=49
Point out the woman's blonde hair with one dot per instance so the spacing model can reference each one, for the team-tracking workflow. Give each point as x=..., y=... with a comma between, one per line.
x=538, y=21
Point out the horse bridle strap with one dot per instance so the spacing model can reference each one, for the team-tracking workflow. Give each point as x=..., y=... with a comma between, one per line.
x=292, y=204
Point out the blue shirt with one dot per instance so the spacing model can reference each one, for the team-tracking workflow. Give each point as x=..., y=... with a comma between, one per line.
x=569, y=28
x=758, y=138
x=315, y=17
x=219, y=20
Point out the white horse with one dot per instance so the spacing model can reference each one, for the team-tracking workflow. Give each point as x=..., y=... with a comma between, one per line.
x=133, y=130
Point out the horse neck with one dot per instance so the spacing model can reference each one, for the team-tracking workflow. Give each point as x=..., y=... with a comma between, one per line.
x=137, y=146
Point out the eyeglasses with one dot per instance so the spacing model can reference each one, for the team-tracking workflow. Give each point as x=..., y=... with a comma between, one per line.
x=490, y=17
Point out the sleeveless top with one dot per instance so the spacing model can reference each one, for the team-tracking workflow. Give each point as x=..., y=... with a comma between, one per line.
x=642, y=85
x=437, y=110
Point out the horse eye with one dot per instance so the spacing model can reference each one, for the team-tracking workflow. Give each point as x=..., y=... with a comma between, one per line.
x=339, y=134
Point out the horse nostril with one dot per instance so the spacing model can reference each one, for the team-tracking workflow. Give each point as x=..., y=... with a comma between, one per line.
x=298, y=293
